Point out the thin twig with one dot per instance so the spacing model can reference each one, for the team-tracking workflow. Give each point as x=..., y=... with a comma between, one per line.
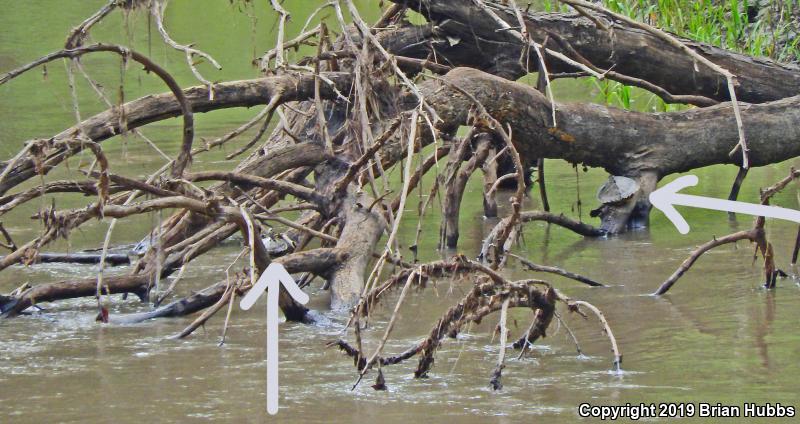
x=607, y=329
x=556, y=270
x=157, y=10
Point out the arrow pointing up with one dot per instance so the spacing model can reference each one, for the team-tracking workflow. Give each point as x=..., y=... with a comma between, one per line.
x=271, y=280
x=667, y=196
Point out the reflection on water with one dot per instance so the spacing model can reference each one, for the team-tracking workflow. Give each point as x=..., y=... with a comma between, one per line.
x=717, y=337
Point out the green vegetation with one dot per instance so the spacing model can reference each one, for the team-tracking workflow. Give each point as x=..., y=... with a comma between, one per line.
x=723, y=23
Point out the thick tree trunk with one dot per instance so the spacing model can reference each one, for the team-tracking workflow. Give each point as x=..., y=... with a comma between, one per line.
x=462, y=34
x=136, y=284
x=362, y=230
x=639, y=145
x=664, y=143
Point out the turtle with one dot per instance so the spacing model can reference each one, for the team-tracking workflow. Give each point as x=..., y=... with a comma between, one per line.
x=617, y=210
x=617, y=189
x=276, y=246
x=139, y=249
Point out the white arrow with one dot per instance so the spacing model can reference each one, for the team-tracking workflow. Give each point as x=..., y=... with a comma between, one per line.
x=271, y=280
x=667, y=196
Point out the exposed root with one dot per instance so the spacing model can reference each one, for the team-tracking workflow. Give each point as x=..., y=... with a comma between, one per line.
x=490, y=293
x=542, y=318
x=491, y=248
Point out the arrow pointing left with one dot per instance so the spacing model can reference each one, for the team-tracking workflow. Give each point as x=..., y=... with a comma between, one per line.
x=271, y=280
x=667, y=196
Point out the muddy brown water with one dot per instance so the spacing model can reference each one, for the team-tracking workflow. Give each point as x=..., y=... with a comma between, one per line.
x=716, y=337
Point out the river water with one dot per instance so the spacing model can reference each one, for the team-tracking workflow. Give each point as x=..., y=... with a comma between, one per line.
x=717, y=337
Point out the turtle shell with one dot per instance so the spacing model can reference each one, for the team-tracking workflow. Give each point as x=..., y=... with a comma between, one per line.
x=275, y=246
x=141, y=248
x=616, y=189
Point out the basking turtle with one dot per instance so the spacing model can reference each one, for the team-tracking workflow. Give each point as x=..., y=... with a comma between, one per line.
x=617, y=189
x=276, y=246
x=617, y=197
x=141, y=248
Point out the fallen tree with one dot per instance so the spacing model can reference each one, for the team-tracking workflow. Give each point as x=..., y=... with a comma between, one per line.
x=374, y=99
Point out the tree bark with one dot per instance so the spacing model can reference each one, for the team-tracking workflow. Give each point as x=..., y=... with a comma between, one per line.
x=476, y=42
x=645, y=146
x=455, y=187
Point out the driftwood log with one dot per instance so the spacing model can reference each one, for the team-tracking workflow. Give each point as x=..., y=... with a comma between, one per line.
x=367, y=106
